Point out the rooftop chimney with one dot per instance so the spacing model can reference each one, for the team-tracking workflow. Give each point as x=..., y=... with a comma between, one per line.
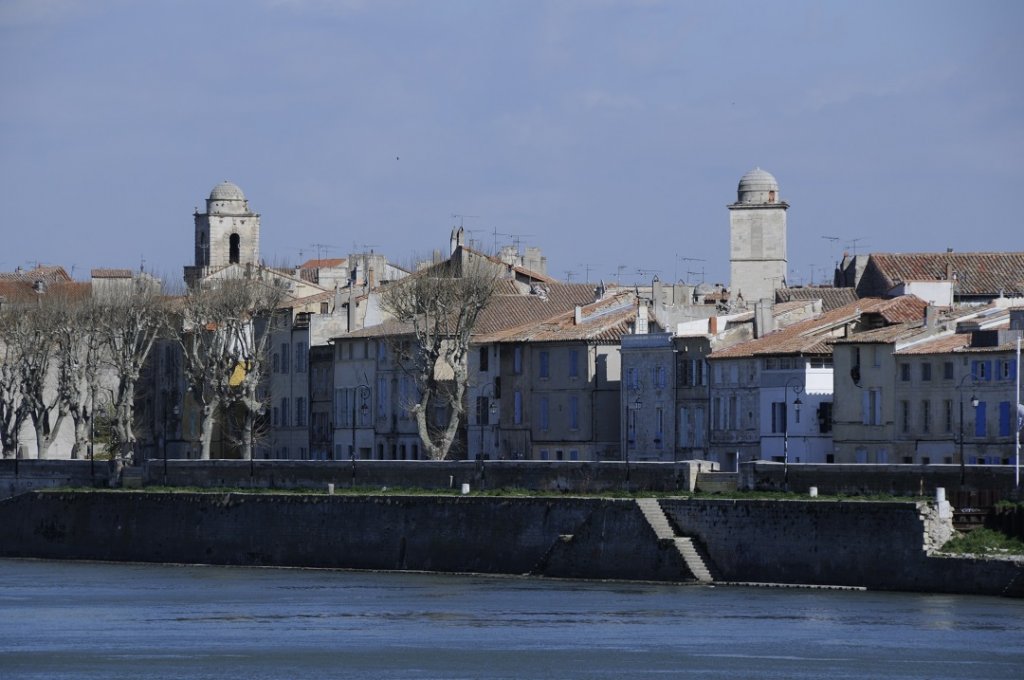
x=764, y=322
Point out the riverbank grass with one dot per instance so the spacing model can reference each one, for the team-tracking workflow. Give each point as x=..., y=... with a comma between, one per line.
x=984, y=542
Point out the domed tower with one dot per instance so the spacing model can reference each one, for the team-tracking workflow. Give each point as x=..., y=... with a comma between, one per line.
x=757, y=237
x=227, y=233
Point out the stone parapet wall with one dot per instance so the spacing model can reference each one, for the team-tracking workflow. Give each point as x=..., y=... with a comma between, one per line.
x=993, y=481
x=562, y=476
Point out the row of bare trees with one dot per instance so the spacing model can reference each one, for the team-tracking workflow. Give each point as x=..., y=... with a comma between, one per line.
x=64, y=354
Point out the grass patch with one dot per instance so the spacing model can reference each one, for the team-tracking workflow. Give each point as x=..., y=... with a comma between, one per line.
x=984, y=542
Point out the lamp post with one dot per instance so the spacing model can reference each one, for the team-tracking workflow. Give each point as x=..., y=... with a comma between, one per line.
x=795, y=384
x=362, y=391
x=485, y=416
x=974, y=404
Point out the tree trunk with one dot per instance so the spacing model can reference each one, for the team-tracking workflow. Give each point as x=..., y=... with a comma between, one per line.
x=206, y=430
x=81, y=445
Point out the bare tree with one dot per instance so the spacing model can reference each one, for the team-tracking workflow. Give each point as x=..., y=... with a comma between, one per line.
x=224, y=337
x=251, y=338
x=207, y=317
x=131, y=321
x=441, y=305
x=79, y=353
x=12, y=409
x=38, y=371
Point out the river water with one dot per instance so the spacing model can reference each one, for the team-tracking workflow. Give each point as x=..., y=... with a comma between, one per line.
x=90, y=620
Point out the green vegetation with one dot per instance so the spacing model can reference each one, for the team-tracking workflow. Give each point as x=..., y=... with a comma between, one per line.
x=984, y=542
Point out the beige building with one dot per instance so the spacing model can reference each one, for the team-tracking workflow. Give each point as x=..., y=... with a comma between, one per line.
x=757, y=238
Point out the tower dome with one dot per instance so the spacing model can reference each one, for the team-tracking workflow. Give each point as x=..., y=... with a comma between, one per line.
x=227, y=191
x=758, y=186
x=227, y=199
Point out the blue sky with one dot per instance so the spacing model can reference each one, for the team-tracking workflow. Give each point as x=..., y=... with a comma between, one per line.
x=610, y=134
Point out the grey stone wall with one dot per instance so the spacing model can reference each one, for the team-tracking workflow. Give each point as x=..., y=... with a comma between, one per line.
x=875, y=545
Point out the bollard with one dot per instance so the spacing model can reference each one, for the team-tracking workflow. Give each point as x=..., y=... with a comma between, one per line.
x=465, y=489
x=330, y=489
x=940, y=495
x=814, y=492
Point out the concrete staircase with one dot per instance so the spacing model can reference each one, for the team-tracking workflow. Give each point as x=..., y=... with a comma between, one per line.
x=655, y=517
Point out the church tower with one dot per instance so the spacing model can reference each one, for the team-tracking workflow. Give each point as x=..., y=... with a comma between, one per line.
x=227, y=233
x=757, y=238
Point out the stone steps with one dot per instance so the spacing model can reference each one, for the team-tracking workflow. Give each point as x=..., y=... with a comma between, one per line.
x=684, y=545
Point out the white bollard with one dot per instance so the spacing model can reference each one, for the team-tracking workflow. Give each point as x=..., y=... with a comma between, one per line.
x=940, y=495
x=814, y=492
x=330, y=489
x=465, y=489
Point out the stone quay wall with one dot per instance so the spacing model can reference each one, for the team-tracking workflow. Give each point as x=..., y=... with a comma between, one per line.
x=874, y=545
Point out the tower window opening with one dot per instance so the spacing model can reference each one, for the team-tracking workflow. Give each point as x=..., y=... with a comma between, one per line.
x=233, y=254
x=771, y=196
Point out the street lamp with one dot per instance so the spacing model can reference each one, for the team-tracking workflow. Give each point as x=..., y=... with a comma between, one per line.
x=795, y=384
x=974, y=404
x=363, y=392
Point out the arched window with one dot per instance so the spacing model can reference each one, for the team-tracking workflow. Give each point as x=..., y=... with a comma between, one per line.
x=233, y=253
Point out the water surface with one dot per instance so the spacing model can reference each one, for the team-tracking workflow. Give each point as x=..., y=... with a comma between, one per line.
x=93, y=620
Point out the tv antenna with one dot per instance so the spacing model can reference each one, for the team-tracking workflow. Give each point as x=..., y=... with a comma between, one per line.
x=586, y=268
x=568, y=275
x=675, y=272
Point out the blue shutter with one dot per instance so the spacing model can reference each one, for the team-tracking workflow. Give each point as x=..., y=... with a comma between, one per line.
x=979, y=420
x=1004, y=419
x=988, y=370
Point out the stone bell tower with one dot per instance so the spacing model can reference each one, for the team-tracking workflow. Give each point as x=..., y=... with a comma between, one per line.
x=227, y=233
x=757, y=238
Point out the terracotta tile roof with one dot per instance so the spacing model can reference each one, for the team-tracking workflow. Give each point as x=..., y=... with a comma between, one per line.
x=940, y=345
x=605, y=321
x=831, y=298
x=323, y=263
x=976, y=273
x=813, y=336
x=529, y=273
x=43, y=272
x=887, y=334
x=111, y=273
x=900, y=309
x=510, y=308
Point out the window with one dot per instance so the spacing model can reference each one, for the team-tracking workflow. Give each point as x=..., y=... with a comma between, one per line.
x=981, y=370
x=659, y=426
x=574, y=363
x=276, y=417
x=947, y=415
x=980, y=428
x=382, y=351
x=284, y=411
x=876, y=356
x=699, y=426
x=926, y=371
x=684, y=426
x=633, y=378
x=947, y=370
x=277, y=363
x=778, y=416
x=1007, y=369
x=382, y=396
x=234, y=248
x=871, y=407
x=517, y=406
x=284, y=357
x=905, y=372
x=545, y=421
x=660, y=376
x=574, y=412
x=1004, y=418
x=342, y=410
x=484, y=356
x=825, y=417
x=926, y=416
x=544, y=454
x=545, y=364
x=517, y=359
x=733, y=412
x=574, y=454
x=300, y=357
x=300, y=412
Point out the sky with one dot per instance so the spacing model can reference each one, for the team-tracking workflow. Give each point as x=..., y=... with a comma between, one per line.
x=610, y=134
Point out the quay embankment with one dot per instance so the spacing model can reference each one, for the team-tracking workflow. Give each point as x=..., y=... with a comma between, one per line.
x=876, y=545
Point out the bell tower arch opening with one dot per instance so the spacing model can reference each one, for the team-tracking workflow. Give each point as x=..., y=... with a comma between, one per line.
x=234, y=249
